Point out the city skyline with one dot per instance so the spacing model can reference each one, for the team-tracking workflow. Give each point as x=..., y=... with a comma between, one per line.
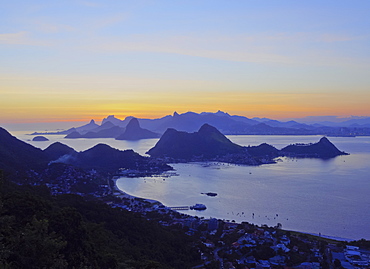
x=77, y=60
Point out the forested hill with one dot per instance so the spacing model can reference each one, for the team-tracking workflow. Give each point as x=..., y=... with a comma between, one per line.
x=42, y=231
x=38, y=230
x=18, y=157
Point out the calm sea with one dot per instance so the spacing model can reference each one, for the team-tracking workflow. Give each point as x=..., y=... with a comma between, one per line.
x=331, y=197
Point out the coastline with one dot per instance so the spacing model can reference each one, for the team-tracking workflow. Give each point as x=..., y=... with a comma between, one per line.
x=123, y=195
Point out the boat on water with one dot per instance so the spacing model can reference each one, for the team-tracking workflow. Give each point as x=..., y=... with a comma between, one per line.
x=209, y=193
x=198, y=207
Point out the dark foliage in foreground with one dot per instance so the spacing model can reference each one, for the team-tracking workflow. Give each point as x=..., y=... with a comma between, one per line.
x=42, y=231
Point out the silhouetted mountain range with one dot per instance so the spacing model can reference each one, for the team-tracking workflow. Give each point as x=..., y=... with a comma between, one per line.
x=17, y=156
x=209, y=144
x=108, y=129
x=112, y=127
x=334, y=121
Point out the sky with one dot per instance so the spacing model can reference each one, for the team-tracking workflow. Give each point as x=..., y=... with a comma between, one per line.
x=78, y=60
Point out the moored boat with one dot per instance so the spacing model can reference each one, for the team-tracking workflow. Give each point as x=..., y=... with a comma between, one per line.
x=198, y=207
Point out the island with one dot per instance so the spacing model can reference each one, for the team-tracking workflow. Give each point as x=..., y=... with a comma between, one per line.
x=323, y=149
x=40, y=138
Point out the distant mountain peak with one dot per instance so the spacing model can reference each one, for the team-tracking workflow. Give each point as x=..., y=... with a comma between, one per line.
x=221, y=113
x=175, y=114
x=133, y=123
x=128, y=118
x=87, y=127
x=112, y=119
x=135, y=132
x=207, y=142
x=206, y=129
x=74, y=134
x=324, y=139
x=108, y=124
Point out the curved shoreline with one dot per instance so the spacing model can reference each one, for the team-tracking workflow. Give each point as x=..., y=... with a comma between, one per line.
x=117, y=192
x=123, y=195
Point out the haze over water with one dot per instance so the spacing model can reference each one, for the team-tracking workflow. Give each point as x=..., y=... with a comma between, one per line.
x=309, y=195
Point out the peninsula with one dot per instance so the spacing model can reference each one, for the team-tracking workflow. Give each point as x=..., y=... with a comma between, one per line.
x=209, y=144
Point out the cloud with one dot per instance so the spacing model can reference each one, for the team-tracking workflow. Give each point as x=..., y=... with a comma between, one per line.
x=22, y=38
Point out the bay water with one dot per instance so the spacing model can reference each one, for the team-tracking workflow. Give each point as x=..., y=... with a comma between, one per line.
x=328, y=197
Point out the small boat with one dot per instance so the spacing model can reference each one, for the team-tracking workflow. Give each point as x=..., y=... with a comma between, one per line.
x=209, y=193
x=198, y=207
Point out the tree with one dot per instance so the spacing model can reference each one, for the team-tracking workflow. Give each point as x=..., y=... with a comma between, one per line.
x=30, y=246
x=1, y=178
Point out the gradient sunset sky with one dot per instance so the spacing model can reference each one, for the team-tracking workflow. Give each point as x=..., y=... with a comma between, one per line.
x=77, y=60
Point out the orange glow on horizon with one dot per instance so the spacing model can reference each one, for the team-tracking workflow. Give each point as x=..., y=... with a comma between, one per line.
x=78, y=103
x=282, y=114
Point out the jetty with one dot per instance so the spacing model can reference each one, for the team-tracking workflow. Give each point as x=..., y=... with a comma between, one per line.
x=193, y=207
